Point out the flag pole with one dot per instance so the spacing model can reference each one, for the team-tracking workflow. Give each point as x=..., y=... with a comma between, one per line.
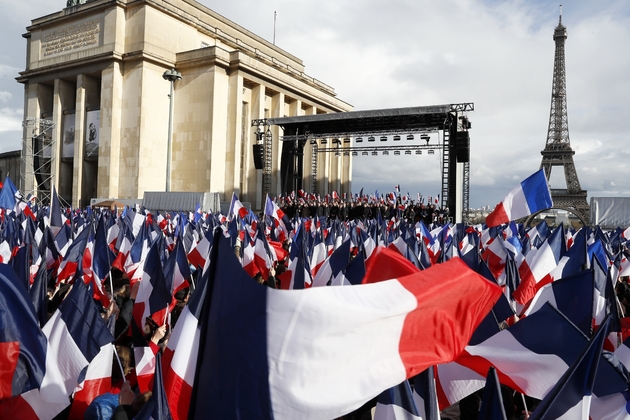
x=524, y=403
x=122, y=371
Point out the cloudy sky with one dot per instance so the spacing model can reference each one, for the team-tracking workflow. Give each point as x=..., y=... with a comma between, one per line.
x=398, y=53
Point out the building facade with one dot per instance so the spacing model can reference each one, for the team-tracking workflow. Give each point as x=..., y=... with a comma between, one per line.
x=94, y=73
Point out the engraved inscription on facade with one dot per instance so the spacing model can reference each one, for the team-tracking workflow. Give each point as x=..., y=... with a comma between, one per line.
x=65, y=40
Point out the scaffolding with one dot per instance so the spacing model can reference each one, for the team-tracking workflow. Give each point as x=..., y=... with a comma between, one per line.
x=37, y=159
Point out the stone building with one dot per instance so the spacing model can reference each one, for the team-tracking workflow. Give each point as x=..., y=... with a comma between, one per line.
x=95, y=69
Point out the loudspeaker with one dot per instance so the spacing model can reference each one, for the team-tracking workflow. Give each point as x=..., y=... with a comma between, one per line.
x=462, y=146
x=259, y=156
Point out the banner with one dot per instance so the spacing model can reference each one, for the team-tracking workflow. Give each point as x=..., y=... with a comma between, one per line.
x=67, y=151
x=93, y=123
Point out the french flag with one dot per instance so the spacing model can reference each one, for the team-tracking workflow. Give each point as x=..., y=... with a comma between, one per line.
x=180, y=356
x=201, y=250
x=531, y=196
x=237, y=208
x=571, y=397
x=492, y=401
x=22, y=343
x=537, y=268
x=278, y=332
x=425, y=395
x=176, y=269
x=532, y=355
x=454, y=381
x=73, y=257
x=76, y=334
x=573, y=296
x=298, y=262
x=318, y=254
x=154, y=295
x=97, y=381
x=397, y=403
x=157, y=406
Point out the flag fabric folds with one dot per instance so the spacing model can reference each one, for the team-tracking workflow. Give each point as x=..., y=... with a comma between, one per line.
x=492, y=400
x=22, y=343
x=531, y=196
x=76, y=333
x=570, y=397
x=257, y=344
x=397, y=403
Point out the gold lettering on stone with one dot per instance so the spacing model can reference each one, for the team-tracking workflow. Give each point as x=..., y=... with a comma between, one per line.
x=73, y=37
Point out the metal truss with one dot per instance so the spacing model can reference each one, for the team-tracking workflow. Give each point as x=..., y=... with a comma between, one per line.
x=363, y=134
x=264, y=137
x=377, y=149
x=314, y=163
x=464, y=107
x=38, y=159
x=466, y=194
x=266, y=181
x=448, y=181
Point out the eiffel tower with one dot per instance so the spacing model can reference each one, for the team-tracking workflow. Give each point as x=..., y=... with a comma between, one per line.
x=558, y=151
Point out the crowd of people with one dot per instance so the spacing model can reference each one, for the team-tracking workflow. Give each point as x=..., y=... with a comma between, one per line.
x=358, y=208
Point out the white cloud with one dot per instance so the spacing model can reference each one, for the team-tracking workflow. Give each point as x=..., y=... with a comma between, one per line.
x=11, y=119
x=5, y=96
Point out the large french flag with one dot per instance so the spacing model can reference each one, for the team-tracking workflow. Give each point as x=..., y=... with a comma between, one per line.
x=300, y=354
x=531, y=196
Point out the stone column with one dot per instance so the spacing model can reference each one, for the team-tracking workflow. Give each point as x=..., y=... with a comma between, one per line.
x=233, y=143
x=110, y=132
x=79, y=128
x=218, y=130
x=57, y=138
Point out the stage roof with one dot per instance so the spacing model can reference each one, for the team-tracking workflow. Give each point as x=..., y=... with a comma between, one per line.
x=422, y=117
